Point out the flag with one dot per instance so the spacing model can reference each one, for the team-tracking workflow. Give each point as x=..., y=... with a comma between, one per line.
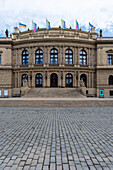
x=91, y=25
x=77, y=25
x=63, y=24
x=34, y=25
x=47, y=24
x=22, y=25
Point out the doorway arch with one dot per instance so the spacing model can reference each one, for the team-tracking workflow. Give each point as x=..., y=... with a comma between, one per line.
x=69, y=80
x=84, y=78
x=39, y=80
x=54, y=80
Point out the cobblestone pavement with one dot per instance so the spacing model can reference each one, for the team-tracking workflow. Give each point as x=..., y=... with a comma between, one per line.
x=56, y=138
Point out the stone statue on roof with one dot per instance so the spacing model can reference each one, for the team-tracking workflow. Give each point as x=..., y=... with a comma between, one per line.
x=6, y=32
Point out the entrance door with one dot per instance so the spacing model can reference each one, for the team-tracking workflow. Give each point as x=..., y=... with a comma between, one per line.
x=54, y=80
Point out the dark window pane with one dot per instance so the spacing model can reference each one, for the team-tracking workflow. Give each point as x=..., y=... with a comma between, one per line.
x=25, y=57
x=69, y=80
x=39, y=56
x=68, y=57
x=54, y=56
x=83, y=58
x=39, y=80
x=110, y=60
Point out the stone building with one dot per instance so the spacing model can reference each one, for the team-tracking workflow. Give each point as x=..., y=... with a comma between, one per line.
x=56, y=58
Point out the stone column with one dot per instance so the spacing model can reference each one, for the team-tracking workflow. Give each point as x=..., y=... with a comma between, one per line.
x=63, y=57
x=30, y=79
x=16, y=59
x=6, y=55
x=20, y=56
x=89, y=80
x=77, y=55
x=92, y=80
x=30, y=56
x=44, y=56
x=74, y=57
x=44, y=79
x=48, y=57
x=88, y=61
x=18, y=80
x=74, y=79
x=48, y=79
x=59, y=79
x=33, y=79
x=59, y=56
x=33, y=54
x=29, y=52
x=15, y=79
x=78, y=81
x=64, y=76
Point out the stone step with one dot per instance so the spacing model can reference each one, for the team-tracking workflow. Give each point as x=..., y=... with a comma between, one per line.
x=54, y=92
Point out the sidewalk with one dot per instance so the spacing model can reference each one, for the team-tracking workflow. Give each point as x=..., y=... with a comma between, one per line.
x=56, y=99
x=56, y=102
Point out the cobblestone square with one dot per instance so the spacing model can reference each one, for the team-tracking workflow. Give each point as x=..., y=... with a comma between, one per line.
x=36, y=138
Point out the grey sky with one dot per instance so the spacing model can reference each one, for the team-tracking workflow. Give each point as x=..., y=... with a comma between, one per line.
x=98, y=12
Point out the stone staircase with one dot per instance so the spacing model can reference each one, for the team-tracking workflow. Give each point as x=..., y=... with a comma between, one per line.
x=54, y=93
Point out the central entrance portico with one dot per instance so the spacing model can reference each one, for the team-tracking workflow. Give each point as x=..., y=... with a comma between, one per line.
x=54, y=80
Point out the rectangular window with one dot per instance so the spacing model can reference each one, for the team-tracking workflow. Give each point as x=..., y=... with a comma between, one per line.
x=110, y=60
x=5, y=93
x=0, y=59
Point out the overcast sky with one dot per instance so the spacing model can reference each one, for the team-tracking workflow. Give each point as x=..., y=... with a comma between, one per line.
x=97, y=12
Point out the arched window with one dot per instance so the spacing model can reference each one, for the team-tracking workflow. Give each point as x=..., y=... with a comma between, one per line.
x=54, y=56
x=24, y=77
x=110, y=80
x=83, y=58
x=84, y=78
x=25, y=57
x=69, y=80
x=68, y=57
x=39, y=80
x=39, y=56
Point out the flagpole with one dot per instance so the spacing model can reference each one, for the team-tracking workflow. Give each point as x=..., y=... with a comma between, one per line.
x=32, y=25
x=46, y=26
x=61, y=26
x=19, y=28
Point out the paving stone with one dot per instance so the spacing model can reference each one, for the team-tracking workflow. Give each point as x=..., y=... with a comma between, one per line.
x=39, y=167
x=56, y=138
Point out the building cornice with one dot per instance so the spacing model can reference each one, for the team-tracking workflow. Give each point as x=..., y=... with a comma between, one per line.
x=51, y=40
x=104, y=41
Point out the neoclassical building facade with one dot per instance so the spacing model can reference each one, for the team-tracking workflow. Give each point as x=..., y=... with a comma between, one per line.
x=56, y=58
